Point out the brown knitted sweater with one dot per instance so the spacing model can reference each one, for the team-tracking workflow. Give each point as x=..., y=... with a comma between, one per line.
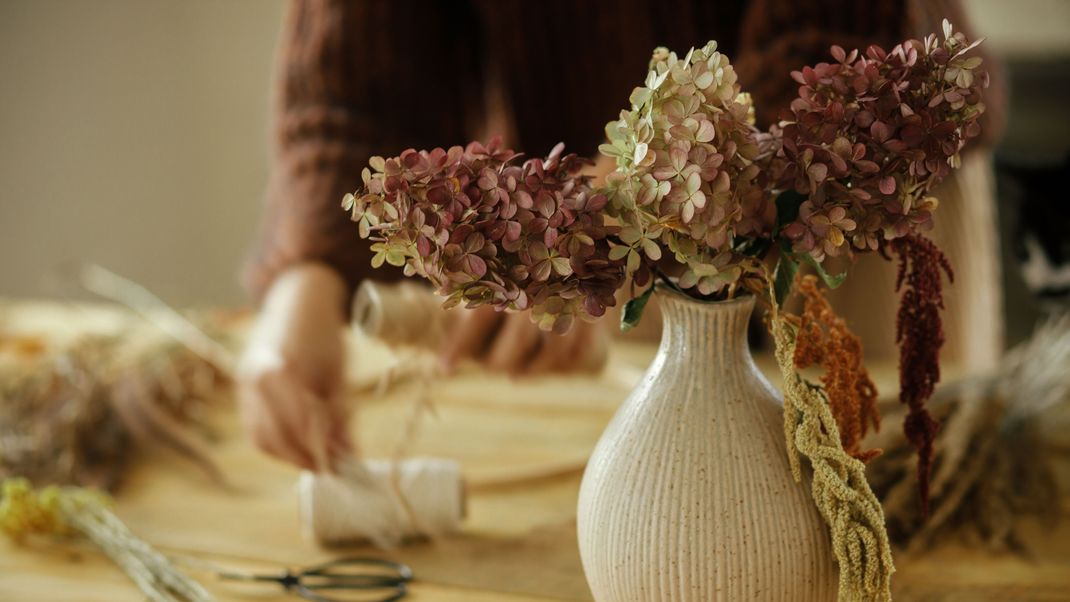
x=363, y=77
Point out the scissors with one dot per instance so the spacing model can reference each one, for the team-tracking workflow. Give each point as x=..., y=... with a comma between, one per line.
x=355, y=574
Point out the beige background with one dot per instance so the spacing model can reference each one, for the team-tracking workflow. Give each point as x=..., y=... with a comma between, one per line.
x=133, y=133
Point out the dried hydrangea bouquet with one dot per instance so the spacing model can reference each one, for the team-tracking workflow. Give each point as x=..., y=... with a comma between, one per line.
x=696, y=491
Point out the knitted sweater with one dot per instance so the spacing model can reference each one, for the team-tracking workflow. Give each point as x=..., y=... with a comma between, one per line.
x=363, y=77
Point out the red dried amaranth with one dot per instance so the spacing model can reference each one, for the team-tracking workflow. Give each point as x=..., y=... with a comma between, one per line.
x=920, y=334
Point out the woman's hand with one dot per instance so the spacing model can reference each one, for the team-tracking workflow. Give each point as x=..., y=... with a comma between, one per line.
x=510, y=342
x=290, y=379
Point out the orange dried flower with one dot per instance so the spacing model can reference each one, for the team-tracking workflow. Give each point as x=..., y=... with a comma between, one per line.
x=824, y=339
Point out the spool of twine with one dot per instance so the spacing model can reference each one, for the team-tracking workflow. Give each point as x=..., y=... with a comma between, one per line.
x=401, y=313
x=382, y=501
x=408, y=314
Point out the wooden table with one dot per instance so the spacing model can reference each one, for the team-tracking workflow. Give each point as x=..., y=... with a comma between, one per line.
x=522, y=445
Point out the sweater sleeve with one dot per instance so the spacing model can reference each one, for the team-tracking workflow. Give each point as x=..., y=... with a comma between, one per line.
x=352, y=81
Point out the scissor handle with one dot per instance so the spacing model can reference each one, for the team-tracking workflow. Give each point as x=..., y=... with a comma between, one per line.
x=396, y=592
x=401, y=572
x=333, y=575
x=327, y=576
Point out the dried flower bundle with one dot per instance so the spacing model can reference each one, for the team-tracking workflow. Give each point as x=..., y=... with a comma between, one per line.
x=700, y=198
x=487, y=230
x=995, y=466
x=75, y=418
x=696, y=182
x=70, y=511
x=861, y=148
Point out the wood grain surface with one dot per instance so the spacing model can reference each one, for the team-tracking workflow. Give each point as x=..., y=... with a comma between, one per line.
x=522, y=446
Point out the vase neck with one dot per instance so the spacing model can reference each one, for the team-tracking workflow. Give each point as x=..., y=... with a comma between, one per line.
x=706, y=329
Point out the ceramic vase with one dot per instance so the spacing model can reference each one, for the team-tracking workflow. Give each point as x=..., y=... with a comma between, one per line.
x=688, y=496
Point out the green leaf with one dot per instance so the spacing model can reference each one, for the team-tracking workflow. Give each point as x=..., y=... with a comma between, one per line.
x=784, y=277
x=787, y=211
x=633, y=310
x=753, y=247
x=787, y=208
x=829, y=280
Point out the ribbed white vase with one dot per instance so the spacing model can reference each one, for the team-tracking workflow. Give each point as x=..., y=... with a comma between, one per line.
x=688, y=496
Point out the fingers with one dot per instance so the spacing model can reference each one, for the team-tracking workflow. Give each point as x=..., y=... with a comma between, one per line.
x=549, y=357
x=302, y=415
x=288, y=422
x=557, y=353
x=594, y=349
x=339, y=441
x=271, y=437
x=469, y=335
x=514, y=345
x=280, y=430
x=293, y=368
x=582, y=349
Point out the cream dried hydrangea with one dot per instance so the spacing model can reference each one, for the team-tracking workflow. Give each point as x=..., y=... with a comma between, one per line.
x=686, y=184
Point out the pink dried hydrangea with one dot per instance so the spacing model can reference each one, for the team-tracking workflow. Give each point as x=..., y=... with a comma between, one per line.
x=486, y=229
x=868, y=137
x=853, y=163
x=686, y=184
